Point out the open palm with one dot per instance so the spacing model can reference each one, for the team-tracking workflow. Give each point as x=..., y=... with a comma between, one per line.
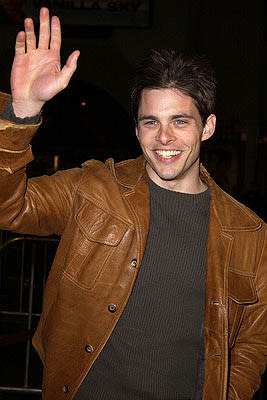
x=36, y=74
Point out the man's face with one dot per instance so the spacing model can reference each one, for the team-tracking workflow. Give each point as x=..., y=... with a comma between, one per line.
x=170, y=132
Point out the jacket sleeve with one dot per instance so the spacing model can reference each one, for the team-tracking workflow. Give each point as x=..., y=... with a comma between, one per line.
x=39, y=206
x=248, y=356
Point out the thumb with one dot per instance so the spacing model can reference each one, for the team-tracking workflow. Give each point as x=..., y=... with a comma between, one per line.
x=68, y=70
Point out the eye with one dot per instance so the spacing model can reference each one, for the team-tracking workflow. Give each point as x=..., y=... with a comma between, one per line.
x=179, y=122
x=151, y=123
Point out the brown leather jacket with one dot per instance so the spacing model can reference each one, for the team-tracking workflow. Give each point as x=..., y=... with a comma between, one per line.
x=101, y=212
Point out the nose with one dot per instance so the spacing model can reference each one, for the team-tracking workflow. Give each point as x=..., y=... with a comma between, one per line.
x=165, y=136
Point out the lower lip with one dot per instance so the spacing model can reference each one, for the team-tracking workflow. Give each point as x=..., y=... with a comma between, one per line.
x=168, y=160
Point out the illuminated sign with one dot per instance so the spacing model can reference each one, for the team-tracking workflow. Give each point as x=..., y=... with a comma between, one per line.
x=94, y=13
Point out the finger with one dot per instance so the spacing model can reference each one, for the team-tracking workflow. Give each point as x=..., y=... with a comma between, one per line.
x=68, y=70
x=30, y=35
x=72, y=60
x=55, y=43
x=20, y=43
x=44, y=34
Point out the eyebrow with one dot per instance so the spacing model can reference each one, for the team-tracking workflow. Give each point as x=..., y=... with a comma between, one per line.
x=176, y=116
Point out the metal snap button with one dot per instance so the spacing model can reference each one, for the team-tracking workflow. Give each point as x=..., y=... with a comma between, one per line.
x=65, y=389
x=89, y=348
x=134, y=263
x=112, y=308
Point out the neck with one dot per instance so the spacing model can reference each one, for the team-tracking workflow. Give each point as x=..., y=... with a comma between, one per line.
x=194, y=185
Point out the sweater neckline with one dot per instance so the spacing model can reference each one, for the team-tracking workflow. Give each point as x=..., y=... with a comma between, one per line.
x=167, y=192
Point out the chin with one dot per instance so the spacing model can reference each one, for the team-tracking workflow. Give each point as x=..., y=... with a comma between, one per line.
x=164, y=174
x=166, y=177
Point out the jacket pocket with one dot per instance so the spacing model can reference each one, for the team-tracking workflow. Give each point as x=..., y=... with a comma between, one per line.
x=241, y=292
x=95, y=237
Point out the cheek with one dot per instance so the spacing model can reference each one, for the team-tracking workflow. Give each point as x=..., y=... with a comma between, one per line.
x=146, y=137
x=141, y=136
x=193, y=140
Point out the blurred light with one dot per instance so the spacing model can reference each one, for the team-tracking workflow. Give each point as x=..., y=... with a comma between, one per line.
x=56, y=161
x=243, y=137
x=83, y=103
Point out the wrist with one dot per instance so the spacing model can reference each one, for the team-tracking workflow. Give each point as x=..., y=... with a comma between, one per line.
x=26, y=109
x=8, y=114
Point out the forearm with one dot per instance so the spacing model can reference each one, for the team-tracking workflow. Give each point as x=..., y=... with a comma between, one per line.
x=15, y=154
x=39, y=206
x=35, y=206
x=15, y=150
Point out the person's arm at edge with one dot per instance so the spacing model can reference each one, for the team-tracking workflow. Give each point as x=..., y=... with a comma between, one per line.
x=36, y=77
x=24, y=203
x=248, y=356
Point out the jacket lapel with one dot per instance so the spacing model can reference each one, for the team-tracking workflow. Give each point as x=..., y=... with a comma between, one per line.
x=132, y=177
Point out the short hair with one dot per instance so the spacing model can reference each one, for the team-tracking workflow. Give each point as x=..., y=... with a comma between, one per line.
x=170, y=69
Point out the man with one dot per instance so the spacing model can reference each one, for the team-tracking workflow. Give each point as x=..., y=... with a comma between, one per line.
x=156, y=264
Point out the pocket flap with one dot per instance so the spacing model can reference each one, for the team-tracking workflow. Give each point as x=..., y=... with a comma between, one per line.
x=99, y=226
x=241, y=288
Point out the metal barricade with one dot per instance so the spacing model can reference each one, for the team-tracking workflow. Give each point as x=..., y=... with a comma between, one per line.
x=24, y=266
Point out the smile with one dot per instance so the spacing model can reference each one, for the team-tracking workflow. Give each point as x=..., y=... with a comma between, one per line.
x=167, y=153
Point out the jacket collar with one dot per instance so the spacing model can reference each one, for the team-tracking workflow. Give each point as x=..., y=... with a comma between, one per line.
x=129, y=172
x=230, y=214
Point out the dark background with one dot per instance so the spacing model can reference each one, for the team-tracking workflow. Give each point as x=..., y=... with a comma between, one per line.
x=91, y=118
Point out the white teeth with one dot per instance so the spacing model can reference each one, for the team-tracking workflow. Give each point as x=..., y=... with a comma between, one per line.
x=167, y=153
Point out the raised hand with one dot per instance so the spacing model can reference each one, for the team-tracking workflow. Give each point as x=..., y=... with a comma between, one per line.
x=36, y=74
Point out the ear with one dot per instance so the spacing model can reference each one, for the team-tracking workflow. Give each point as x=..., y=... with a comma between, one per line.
x=209, y=127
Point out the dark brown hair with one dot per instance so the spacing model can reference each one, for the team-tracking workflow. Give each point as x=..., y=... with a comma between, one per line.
x=168, y=68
